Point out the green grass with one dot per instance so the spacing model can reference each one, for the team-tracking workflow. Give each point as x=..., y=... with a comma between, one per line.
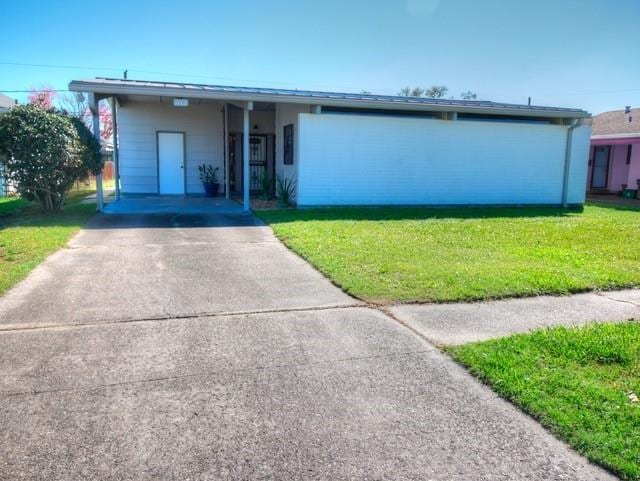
x=9, y=205
x=577, y=382
x=28, y=236
x=461, y=254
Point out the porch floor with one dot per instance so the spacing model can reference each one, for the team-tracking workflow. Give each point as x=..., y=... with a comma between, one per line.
x=173, y=205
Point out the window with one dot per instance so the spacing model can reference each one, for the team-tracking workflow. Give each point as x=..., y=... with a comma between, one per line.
x=629, y=154
x=288, y=144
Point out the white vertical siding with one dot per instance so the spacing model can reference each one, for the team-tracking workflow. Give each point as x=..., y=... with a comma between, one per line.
x=579, y=165
x=138, y=124
x=362, y=159
x=263, y=119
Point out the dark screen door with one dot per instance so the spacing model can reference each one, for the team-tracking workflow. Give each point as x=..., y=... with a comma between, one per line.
x=600, y=167
x=257, y=159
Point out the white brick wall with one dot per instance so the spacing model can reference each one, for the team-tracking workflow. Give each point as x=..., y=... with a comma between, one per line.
x=361, y=159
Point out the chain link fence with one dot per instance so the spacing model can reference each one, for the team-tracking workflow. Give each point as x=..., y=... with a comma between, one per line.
x=7, y=188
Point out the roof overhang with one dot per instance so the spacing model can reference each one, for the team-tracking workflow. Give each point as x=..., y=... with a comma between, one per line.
x=616, y=139
x=106, y=87
x=616, y=136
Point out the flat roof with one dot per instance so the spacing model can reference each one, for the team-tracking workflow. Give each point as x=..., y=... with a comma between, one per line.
x=111, y=86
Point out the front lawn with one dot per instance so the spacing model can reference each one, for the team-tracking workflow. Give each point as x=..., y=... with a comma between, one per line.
x=581, y=383
x=9, y=205
x=28, y=236
x=462, y=254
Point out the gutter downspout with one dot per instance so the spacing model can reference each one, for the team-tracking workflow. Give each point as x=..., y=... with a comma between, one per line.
x=567, y=161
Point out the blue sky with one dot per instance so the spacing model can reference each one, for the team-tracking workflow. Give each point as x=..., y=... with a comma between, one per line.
x=576, y=53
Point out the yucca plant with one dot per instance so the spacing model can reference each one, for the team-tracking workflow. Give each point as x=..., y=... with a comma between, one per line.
x=286, y=190
x=266, y=184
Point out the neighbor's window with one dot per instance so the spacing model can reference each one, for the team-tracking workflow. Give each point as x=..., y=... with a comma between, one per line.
x=288, y=144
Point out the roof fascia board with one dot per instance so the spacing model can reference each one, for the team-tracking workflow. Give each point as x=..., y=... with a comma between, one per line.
x=615, y=136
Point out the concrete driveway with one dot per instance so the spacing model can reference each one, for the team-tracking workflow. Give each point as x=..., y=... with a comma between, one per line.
x=199, y=348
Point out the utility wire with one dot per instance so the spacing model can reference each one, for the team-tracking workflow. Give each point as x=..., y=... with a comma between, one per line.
x=156, y=72
x=42, y=65
x=33, y=90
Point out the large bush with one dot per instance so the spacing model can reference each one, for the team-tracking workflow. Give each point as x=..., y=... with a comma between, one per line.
x=46, y=152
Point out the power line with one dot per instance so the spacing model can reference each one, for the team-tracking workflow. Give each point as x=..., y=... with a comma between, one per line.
x=43, y=65
x=33, y=90
x=156, y=72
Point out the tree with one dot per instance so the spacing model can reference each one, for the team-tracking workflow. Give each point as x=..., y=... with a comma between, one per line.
x=411, y=92
x=106, y=121
x=42, y=97
x=76, y=105
x=436, y=91
x=46, y=152
x=468, y=95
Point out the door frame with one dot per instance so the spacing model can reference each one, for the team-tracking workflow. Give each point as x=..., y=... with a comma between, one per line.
x=593, y=166
x=184, y=158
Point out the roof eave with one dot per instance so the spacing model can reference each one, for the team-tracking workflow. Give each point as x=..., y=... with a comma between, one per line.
x=616, y=136
x=166, y=91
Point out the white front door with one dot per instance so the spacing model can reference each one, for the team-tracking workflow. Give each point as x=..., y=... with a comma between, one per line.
x=171, y=163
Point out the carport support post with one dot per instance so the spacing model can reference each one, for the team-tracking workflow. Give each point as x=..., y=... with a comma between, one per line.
x=95, y=118
x=245, y=155
x=116, y=152
x=227, y=180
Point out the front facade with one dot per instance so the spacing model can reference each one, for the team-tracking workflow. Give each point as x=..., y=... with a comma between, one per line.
x=614, y=156
x=344, y=149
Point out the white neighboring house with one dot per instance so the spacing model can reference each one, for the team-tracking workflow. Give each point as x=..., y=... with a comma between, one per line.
x=6, y=103
x=344, y=149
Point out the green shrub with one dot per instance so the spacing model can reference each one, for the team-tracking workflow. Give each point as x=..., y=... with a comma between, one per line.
x=46, y=152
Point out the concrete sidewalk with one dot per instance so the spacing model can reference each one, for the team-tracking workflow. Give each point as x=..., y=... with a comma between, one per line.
x=459, y=323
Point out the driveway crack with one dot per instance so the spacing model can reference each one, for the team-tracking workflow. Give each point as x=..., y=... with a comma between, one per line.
x=167, y=316
x=213, y=373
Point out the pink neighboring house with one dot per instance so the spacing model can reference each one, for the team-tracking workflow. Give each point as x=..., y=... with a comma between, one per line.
x=614, y=157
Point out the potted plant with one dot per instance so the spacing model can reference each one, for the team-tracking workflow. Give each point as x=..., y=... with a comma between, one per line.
x=209, y=179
